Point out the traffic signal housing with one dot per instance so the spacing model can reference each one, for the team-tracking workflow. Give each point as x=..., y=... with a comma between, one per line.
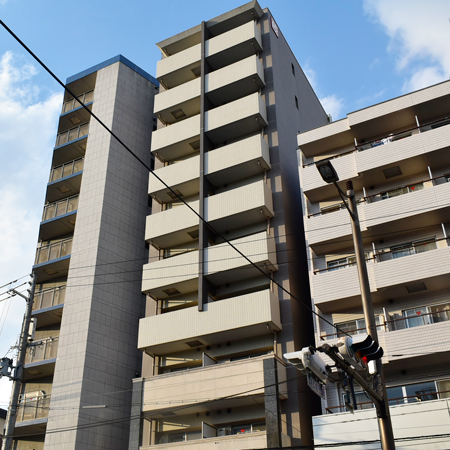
x=359, y=350
x=307, y=360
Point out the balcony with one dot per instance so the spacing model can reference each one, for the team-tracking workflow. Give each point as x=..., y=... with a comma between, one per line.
x=42, y=350
x=413, y=153
x=72, y=134
x=426, y=336
x=222, y=86
x=72, y=104
x=241, y=441
x=227, y=164
x=424, y=202
x=32, y=407
x=220, y=51
x=52, y=260
x=48, y=305
x=225, y=123
x=73, y=113
x=40, y=359
x=222, y=265
x=67, y=169
x=389, y=278
x=408, y=421
x=58, y=218
x=232, y=209
x=239, y=317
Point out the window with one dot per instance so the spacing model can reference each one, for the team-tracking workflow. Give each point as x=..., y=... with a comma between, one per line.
x=362, y=400
x=342, y=263
x=357, y=326
x=401, y=191
x=412, y=393
x=416, y=317
x=412, y=248
x=293, y=69
x=332, y=208
x=296, y=101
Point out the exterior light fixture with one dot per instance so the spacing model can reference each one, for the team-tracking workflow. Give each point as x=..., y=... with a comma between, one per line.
x=327, y=171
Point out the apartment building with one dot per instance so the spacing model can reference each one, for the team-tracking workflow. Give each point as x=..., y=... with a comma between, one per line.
x=232, y=100
x=397, y=155
x=90, y=250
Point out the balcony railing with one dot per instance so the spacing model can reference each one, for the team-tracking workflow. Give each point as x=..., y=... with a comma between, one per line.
x=42, y=350
x=419, y=397
x=53, y=251
x=57, y=209
x=66, y=169
x=383, y=195
x=71, y=104
x=72, y=134
x=412, y=318
x=49, y=297
x=395, y=252
x=33, y=407
x=390, y=138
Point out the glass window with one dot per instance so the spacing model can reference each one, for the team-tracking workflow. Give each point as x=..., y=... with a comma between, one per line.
x=341, y=263
x=241, y=429
x=357, y=326
x=179, y=437
x=421, y=392
x=395, y=395
x=416, y=317
x=258, y=427
x=444, y=388
x=440, y=313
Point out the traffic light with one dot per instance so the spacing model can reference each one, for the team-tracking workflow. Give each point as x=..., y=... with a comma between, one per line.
x=307, y=360
x=5, y=367
x=359, y=350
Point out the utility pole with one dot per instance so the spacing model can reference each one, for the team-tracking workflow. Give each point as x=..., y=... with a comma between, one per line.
x=17, y=379
x=382, y=407
x=329, y=175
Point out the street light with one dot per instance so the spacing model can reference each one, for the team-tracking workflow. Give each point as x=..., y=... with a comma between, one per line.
x=329, y=175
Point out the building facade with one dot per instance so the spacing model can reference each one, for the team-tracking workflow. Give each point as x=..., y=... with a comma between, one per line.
x=87, y=303
x=232, y=100
x=397, y=155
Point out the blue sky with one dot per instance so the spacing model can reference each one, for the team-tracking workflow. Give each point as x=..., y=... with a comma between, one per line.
x=355, y=53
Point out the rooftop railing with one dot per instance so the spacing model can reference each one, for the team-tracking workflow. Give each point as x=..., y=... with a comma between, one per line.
x=71, y=104
x=66, y=169
x=53, y=251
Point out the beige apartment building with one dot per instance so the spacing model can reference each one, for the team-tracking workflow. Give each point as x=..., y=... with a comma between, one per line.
x=78, y=369
x=397, y=155
x=232, y=99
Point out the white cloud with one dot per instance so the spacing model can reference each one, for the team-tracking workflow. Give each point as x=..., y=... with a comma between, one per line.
x=332, y=105
x=419, y=34
x=27, y=133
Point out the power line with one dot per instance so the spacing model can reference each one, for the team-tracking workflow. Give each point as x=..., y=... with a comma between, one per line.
x=208, y=225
